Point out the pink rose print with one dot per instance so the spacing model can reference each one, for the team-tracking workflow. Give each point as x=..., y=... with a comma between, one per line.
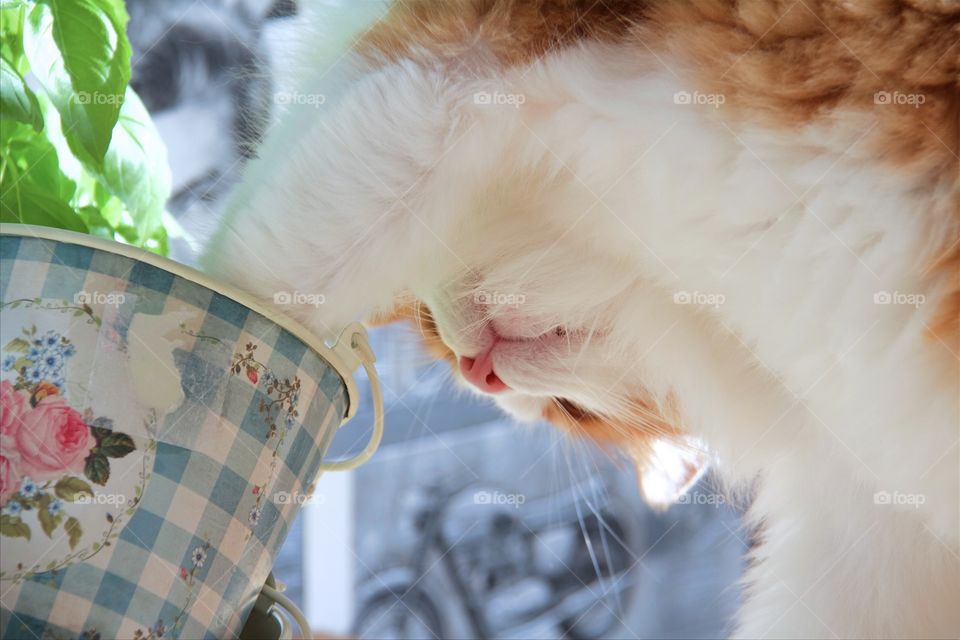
x=13, y=404
x=9, y=479
x=53, y=440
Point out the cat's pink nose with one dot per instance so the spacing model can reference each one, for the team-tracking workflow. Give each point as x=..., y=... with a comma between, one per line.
x=479, y=372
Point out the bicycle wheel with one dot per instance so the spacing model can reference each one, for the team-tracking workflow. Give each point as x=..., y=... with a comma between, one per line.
x=411, y=616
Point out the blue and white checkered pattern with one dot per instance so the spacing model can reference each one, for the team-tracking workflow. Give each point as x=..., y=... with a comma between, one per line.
x=206, y=459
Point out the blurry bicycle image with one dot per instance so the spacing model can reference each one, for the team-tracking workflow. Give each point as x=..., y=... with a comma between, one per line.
x=515, y=568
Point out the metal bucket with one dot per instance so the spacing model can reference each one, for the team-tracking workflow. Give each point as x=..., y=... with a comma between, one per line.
x=158, y=431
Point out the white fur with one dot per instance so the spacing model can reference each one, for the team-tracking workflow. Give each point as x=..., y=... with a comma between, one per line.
x=599, y=199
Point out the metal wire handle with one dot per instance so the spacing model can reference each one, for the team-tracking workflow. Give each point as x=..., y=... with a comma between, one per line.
x=353, y=346
x=279, y=600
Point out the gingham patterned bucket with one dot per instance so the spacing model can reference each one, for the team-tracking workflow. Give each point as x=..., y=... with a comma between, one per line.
x=150, y=422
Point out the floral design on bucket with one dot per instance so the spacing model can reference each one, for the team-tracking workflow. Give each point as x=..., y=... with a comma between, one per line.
x=51, y=454
x=283, y=394
x=76, y=310
x=279, y=412
x=189, y=577
x=113, y=525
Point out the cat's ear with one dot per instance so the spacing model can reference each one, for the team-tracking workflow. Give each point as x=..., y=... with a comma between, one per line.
x=668, y=468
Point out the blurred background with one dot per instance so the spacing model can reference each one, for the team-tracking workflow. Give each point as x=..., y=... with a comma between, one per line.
x=463, y=525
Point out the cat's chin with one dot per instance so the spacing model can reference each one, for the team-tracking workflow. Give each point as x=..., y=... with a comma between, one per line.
x=522, y=407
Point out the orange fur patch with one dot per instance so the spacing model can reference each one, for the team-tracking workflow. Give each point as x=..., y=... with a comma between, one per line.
x=946, y=324
x=417, y=314
x=785, y=63
x=780, y=63
x=634, y=435
x=648, y=422
x=513, y=31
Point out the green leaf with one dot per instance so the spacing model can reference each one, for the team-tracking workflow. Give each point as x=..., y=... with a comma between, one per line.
x=96, y=223
x=48, y=521
x=18, y=344
x=74, y=531
x=69, y=164
x=70, y=488
x=98, y=165
x=13, y=527
x=37, y=162
x=17, y=102
x=79, y=52
x=24, y=202
x=117, y=445
x=33, y=189
x=11, y=35
x=135, y=168
x=97, y=468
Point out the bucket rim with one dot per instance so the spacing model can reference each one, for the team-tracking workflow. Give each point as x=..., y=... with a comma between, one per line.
x=191, y=274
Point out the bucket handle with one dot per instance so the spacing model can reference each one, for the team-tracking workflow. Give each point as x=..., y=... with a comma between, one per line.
x=271, y=596
x=353, y=347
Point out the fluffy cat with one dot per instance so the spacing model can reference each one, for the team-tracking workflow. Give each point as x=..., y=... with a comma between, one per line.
x=656, y=223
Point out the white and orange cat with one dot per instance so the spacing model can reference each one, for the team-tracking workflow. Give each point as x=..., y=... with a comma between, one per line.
x=730, y=220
